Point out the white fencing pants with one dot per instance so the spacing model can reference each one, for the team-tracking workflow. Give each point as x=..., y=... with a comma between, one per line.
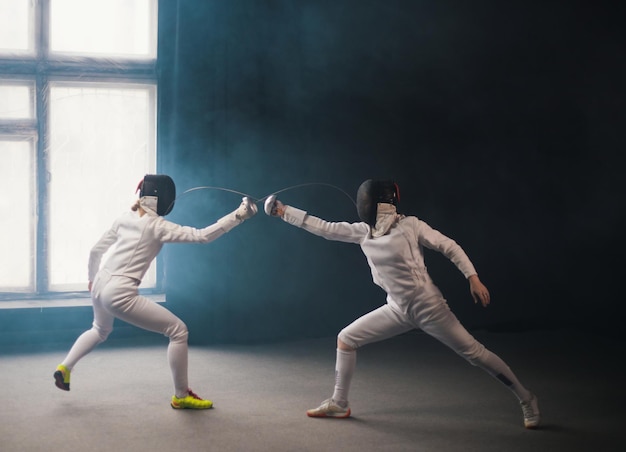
x=434, y=318
x=117, y=297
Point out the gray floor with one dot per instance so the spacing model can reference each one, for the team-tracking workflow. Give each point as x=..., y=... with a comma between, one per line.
x=409, y=394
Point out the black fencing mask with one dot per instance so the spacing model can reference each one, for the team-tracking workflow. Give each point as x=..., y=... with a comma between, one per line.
x=163, y=188
x=370, y=193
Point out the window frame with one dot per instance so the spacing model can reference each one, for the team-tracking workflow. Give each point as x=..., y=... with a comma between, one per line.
x=38, y=69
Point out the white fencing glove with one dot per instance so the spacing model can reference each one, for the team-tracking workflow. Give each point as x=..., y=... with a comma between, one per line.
x=246, y=210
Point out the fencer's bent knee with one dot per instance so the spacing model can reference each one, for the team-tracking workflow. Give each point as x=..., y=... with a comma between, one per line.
x=103, y=333
x=343, y=339
x=177, y=332
x=341, y=345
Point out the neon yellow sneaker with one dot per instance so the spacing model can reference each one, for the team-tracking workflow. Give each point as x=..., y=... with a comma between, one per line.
x=191, y=401
x=62, y=377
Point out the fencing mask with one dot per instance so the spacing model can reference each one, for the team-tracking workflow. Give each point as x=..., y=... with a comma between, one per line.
x=160, y=187
x=370, y=193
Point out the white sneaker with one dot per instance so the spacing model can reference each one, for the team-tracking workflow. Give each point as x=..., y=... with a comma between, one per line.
x=530, y=408
x=329, y=408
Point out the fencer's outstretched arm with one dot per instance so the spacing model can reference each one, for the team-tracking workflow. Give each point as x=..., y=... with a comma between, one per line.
x=338, y=231
x=140, y=238
x=245, y=211
x=171, y=232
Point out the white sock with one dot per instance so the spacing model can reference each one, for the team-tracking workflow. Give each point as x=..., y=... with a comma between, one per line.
x=344, y=369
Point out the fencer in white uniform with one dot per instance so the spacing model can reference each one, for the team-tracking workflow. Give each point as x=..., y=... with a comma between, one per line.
x=393, y=245
x=137, y=237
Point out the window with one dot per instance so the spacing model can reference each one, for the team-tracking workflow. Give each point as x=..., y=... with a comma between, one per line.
x=77, y=131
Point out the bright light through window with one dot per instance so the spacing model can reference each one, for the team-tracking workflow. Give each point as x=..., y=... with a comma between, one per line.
x=16, y=25
x=15, y=101
x=99, y=150
x=74, y=141
x=16, y=217
x=111, y=27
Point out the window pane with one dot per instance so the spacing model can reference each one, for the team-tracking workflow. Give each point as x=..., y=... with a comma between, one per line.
x=16, y=216
x=102, y=142
x=104, y=27
x=16, y=101
x=16, y=26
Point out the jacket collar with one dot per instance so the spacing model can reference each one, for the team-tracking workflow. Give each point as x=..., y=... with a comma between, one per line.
x=386, y=217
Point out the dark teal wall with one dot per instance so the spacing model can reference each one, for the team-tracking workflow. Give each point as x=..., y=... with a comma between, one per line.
x=56, y=328
x=503, y=123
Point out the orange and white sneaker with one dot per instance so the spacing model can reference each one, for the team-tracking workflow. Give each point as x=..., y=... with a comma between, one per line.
x=62, y=377
x=329, y=408
x=191, y=401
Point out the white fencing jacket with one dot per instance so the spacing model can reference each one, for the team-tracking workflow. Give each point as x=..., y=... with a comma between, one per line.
x=138, y=240
x=396, y=258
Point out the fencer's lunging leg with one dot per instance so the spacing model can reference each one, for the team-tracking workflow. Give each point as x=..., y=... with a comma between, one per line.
x=380, y=324
x=496, y=367
x=178, y=358
x=137, y=310
x=151, y=316
x=445, y=327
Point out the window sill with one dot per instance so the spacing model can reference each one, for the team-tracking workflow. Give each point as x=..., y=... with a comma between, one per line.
x=62, y=302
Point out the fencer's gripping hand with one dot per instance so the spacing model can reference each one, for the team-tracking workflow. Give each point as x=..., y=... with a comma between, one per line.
x=273, y=207
x=479, y=291
x=246, y=210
